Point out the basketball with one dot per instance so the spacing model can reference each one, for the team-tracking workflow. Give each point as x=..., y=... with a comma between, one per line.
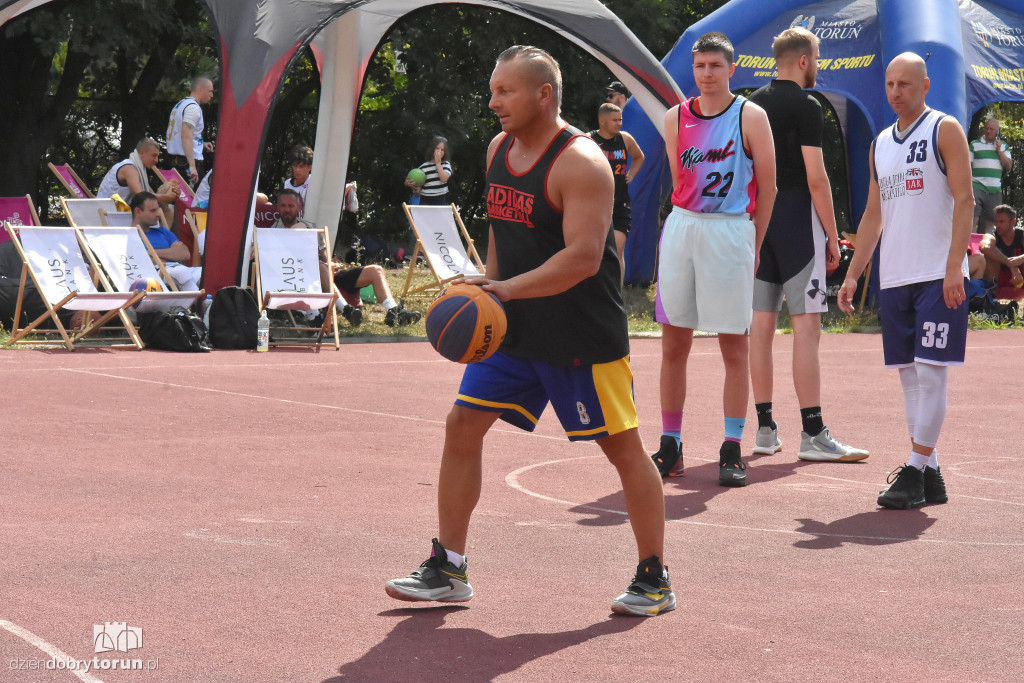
x=145, y=284
x=417, y=176
x=466, y=324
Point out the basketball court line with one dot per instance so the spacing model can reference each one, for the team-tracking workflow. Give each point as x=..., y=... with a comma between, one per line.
x=50, y=649
x=512, y=480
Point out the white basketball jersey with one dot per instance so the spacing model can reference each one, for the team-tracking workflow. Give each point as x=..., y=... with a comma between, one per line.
x=917, y=205
x=174, y=126
x=111, y=184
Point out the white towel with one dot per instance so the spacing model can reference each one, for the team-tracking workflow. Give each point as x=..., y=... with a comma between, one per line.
x=141, y=168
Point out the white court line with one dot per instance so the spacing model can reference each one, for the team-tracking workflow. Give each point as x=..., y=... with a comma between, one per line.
x=52, y=650
x=512, y=480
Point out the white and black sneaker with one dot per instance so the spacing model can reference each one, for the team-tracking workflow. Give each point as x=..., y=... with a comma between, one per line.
x=650, y=594
x=436, y=579
x=825, y=448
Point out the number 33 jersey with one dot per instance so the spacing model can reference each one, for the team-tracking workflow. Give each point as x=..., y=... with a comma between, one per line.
x=917, y=205
x=715, y=174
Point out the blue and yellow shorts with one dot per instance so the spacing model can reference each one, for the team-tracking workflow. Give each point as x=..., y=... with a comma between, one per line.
x=591, y=401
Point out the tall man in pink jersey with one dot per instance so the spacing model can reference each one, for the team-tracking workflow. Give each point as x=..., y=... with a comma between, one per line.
x=722, y=159
x=920, y=193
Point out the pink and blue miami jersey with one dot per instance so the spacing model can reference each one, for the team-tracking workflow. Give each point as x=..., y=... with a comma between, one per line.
x=715, y=173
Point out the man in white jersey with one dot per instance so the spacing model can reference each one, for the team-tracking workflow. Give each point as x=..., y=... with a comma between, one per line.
x=185, y=128
x=921, y=203
x=722, y=157
x=127, y=178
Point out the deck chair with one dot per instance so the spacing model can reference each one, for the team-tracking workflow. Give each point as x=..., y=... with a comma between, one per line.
x=86, y=211
x=17, y=211
x=66, y=285
x=187, y=197
x=116, y=219
x=126, y=256
x=71, y=182
x=287, y=276
x=196, y=220
x=437, y=231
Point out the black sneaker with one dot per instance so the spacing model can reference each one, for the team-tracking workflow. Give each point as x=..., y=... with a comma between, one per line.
x=906, y=490
x=650, y=594
x=669, y=458
x=436, y=579
x=399, y=316
x=353, y=315
x=934, y=486
x=731, y=470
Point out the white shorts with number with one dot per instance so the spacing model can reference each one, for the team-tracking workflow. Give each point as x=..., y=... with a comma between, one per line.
x=706, y=272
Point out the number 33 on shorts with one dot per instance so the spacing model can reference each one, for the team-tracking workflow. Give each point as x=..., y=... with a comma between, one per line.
x=935, y=335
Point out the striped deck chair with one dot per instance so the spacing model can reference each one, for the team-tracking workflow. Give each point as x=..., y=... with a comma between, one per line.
x=126, y=256
x=52, y=258
x=287, y=275
x=71, y=182
x=438, y=238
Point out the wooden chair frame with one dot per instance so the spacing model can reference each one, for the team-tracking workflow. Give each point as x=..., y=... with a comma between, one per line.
x=439, y=282
x=63, y=181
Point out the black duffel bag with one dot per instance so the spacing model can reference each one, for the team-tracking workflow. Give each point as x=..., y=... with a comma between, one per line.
x=174, y=332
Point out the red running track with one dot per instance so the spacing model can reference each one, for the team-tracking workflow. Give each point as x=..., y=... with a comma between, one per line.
x=245, y=511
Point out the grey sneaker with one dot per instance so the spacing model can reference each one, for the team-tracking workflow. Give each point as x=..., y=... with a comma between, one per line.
x=825, y=448
x=767, y=441
x=436, y=579
x=650, y=594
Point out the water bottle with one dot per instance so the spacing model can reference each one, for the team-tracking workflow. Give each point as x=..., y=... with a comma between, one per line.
x=206, y=311
x=263, y=332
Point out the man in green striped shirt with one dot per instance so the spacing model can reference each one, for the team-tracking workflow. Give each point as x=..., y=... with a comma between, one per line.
x=989, y=159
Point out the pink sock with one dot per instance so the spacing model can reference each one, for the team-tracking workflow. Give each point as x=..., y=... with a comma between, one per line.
x=671, y=421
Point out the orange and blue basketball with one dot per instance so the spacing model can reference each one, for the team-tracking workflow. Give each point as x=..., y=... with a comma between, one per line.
x=146, y=284
x=466, y=324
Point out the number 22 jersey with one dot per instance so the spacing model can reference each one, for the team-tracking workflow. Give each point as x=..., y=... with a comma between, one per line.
x=715, y=174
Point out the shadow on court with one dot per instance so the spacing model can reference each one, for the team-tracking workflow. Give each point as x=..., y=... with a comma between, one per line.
x=878, y=527
x=419, y=648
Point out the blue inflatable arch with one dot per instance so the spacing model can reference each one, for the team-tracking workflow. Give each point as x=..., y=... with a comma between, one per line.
x=974, y=50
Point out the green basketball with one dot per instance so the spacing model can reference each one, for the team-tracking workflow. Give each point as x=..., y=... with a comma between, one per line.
x=417, y=176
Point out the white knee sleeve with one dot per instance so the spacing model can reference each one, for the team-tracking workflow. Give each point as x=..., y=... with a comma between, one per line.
x=911, y=391
x=931, y=403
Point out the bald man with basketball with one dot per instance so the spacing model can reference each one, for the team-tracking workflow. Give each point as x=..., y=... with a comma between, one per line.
x=921, y=204
x=552, y=262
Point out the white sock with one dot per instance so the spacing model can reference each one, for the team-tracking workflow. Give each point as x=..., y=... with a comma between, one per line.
x=340, y=305
x=918, y=460
x=455, y=558
x=389, y=303
x=933, y=460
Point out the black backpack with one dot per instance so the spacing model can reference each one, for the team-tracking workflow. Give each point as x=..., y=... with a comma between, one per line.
x=233, y=318
x=180, y=331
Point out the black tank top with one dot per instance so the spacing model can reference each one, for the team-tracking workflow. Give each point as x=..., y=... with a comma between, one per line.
x=584, y=325
x=615, y=151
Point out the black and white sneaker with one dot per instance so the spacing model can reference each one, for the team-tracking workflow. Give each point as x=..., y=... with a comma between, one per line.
x=731, y=470
x=934, y=486
x=906, y=490
x=399, y=316
x=650, y=594
x=436, y=579
x=669, y=458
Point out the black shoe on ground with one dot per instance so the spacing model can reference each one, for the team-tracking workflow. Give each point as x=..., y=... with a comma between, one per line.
x=934, y=486
x=436, y=579
x=906, y=490
x=731, y=470
x=353, y=315
x=399, y=316
x=669, y=458
x=650, y=594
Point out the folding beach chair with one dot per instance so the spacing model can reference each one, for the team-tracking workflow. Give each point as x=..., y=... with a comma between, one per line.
x=438, y=238
x=86, y=211
x=287, y=275
x=126, y=256
x=116, y=219
x=71, y=182
x=196, y=221
x=17, y=211
x=187, y=196
x=52, y=258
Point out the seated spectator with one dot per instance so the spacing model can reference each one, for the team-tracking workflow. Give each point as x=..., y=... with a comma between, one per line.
x=302, y=165
x=129, y=177
x=1004, y=250
x=350, y=281
x=174, y=254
